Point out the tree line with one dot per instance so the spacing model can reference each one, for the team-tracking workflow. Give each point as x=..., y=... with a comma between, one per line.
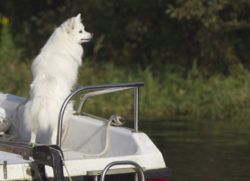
x=211, y=34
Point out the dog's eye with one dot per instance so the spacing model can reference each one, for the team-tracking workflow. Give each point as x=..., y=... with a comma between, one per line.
x=80, y=31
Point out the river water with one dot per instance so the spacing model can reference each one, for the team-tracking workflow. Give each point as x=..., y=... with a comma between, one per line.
x=202, y=151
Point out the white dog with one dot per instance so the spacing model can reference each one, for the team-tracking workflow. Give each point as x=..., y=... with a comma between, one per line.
x=54, y=75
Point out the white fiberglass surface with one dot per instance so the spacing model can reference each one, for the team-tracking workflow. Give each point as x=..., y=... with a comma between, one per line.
x=86, y=135
x=11, y=158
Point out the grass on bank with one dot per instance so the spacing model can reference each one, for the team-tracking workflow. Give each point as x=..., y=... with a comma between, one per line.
x=171, y=95
x=176, y=95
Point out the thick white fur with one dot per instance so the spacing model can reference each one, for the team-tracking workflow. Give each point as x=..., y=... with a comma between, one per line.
x=54, y=75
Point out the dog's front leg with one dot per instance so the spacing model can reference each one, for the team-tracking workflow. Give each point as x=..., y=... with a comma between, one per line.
x=53, y=137
x=33, y=137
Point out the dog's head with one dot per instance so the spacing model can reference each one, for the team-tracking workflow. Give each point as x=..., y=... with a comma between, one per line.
x=76, y=30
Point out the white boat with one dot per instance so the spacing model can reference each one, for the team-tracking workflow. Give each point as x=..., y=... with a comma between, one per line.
x=90, y=149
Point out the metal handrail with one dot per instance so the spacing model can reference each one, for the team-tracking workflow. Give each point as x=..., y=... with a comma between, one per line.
x=85, y=97
x=134, y=85
x=136, y=165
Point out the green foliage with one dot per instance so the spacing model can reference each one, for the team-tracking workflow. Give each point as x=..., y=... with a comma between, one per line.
x=7, y=47
x=14, y=75
x=173, y=95
x=215, y=31
x=192, y=55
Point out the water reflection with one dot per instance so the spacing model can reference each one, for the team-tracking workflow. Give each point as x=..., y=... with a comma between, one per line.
x=202, y=151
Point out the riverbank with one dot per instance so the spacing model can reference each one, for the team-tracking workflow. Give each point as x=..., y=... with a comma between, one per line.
x=172, y=94
x=178, y=95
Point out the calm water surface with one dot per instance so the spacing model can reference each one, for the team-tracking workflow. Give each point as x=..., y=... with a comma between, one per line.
x=202, y=151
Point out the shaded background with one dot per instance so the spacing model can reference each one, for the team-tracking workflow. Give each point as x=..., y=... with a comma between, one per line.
x=213, y=33
x=193, y=56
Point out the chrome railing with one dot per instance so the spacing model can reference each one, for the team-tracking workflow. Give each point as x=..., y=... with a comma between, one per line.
x=99, y=90
x=138, y=169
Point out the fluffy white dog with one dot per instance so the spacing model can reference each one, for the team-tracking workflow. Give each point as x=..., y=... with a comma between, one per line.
x=54, y=75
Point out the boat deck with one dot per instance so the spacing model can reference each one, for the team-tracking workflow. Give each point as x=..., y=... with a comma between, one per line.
x=86, y=144
x=124, y=144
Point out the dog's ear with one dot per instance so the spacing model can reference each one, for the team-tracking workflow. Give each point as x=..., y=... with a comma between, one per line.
x=70, y=24
x=78, y=17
